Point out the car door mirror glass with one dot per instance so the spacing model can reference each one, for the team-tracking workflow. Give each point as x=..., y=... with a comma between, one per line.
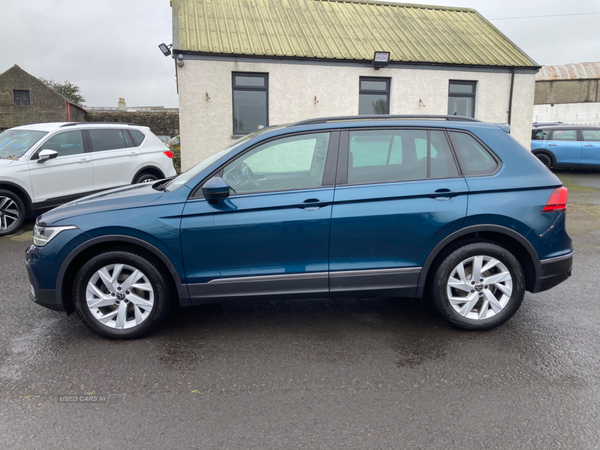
x=215, y=189
x=45, y=155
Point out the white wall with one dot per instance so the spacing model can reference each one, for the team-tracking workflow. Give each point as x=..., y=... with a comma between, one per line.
x=577, y=113
x=205, y=97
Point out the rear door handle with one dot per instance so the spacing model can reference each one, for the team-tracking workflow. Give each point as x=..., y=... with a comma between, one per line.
x=311, y=204
x=589, y=145
x=443, y=194
x=84, y=160
x=552, y=145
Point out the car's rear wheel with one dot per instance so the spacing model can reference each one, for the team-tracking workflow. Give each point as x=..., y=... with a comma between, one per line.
x=12, y=212
x=545, y=159
x=478, y=286
x=145, y=178
x=121, y=294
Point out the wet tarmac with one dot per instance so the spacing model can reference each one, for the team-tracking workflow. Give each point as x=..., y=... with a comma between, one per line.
x=347, y=373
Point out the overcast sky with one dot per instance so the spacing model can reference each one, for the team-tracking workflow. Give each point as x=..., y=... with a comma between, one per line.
x=109, y=47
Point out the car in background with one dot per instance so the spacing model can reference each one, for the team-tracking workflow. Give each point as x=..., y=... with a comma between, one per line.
x=368, y=206
x=174, y=141
x=567, y=146
x=47, y=164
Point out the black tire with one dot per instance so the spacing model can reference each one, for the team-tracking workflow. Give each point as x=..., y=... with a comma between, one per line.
x=12, y=212
x=145, y=178
x=545, y=159
x=447, y=265
x=151, y=270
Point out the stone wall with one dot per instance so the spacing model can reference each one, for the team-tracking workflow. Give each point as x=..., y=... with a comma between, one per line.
x=160, y=122
x=45, y=104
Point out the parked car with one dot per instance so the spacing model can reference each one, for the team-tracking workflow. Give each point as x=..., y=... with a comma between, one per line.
x=341, y=207
x=173, y=141
x=46, y=164
x=567, y=146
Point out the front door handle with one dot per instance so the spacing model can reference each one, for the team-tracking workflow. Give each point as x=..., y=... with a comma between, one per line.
x=83, y=160
x=443, y=194
x=311, y=204
x=552, y=145
x=589, y=145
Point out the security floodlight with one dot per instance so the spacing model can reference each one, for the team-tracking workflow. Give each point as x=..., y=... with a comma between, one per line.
x=381, y=59
x=166, y=49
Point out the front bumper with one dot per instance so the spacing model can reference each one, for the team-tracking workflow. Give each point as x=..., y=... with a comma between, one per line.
x=554, y=271
x=43, y=297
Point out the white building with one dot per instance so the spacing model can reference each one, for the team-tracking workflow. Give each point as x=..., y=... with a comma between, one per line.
x=244, y=64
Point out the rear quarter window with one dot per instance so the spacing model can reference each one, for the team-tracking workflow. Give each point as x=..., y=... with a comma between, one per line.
x=137, y=136
x=539, y=135
x=473, y=157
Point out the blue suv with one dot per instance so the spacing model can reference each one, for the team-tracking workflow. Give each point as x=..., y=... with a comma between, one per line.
x=567, y=146
x=397, y=206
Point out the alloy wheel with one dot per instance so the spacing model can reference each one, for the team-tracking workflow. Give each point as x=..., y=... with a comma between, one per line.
x=479, y=287
x=120, y=296
x=9, y=213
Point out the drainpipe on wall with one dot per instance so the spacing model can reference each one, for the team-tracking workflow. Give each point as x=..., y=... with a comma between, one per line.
x=512, y=85
x=68, y=111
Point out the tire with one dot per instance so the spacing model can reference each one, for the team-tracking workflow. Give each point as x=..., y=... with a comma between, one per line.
x=111, y=308
x=12, y=212
x=145, y=178
x=545, y=159
x=485, y=306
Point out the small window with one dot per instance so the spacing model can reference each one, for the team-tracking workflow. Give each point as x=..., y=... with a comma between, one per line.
x=380, y=156
x=250, y=102
x=591, y=135
x=374, y=96
x=539, y=135
x=21, y=98
x=66, y=143
x=473, y=157
x=461, y=98
x=564, y=135
x=137, y=136
x=296, y=162
x=107, y=139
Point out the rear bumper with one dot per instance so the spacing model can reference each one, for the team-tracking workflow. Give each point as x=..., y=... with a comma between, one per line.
x=554, y=271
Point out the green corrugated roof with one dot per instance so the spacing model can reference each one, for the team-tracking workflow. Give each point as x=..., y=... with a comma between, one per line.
x=342, y=30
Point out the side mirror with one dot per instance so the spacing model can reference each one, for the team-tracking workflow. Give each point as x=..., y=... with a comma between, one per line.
x=45, y=155
x=214, y=189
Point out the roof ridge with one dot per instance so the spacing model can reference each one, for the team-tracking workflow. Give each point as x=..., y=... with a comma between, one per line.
x=403, y=5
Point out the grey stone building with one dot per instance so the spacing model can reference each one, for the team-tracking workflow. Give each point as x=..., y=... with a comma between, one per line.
x=25, y=99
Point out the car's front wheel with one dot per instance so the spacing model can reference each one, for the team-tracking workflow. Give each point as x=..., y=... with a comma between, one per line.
x=121, y=294
x=145, y=178
x=478, y=286
x=12, y=212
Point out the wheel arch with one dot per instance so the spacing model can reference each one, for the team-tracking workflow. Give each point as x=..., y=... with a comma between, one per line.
x=18, y=190
x=75, y=259
x=148, y=169
x=509, y=239
x=546, y=152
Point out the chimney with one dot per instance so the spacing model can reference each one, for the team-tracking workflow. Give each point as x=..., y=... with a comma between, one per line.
x=122, y=103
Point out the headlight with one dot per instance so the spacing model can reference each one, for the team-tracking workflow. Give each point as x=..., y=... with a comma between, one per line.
x=43, y=235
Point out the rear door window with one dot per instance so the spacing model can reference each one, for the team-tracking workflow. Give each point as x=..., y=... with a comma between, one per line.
x=378, y=156
x=473, y=157
x=591, y=135
x=107, y=139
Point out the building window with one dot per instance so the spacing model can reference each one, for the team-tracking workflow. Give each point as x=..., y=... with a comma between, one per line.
x=250, y=102
x=374, y=96
x=21, y=98
x=461, y=98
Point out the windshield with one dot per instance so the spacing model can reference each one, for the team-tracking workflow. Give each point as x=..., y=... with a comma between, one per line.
x=14, y=143
x=191, y=173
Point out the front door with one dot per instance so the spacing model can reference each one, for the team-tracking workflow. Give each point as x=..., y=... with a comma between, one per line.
x=565, y=145
x=68, y=175
x=398, y=194
x=271, y=236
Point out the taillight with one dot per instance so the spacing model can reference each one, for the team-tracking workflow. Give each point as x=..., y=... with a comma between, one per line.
x=169, y=154
x=557, y=201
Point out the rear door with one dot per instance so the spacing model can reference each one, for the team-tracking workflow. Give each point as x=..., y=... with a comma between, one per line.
x=565, y=145
x=398, y=193
x=115, y=157
x=590, y=152
x=70, y=174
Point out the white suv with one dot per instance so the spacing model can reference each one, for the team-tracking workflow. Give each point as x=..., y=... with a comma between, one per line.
x=44, y=165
